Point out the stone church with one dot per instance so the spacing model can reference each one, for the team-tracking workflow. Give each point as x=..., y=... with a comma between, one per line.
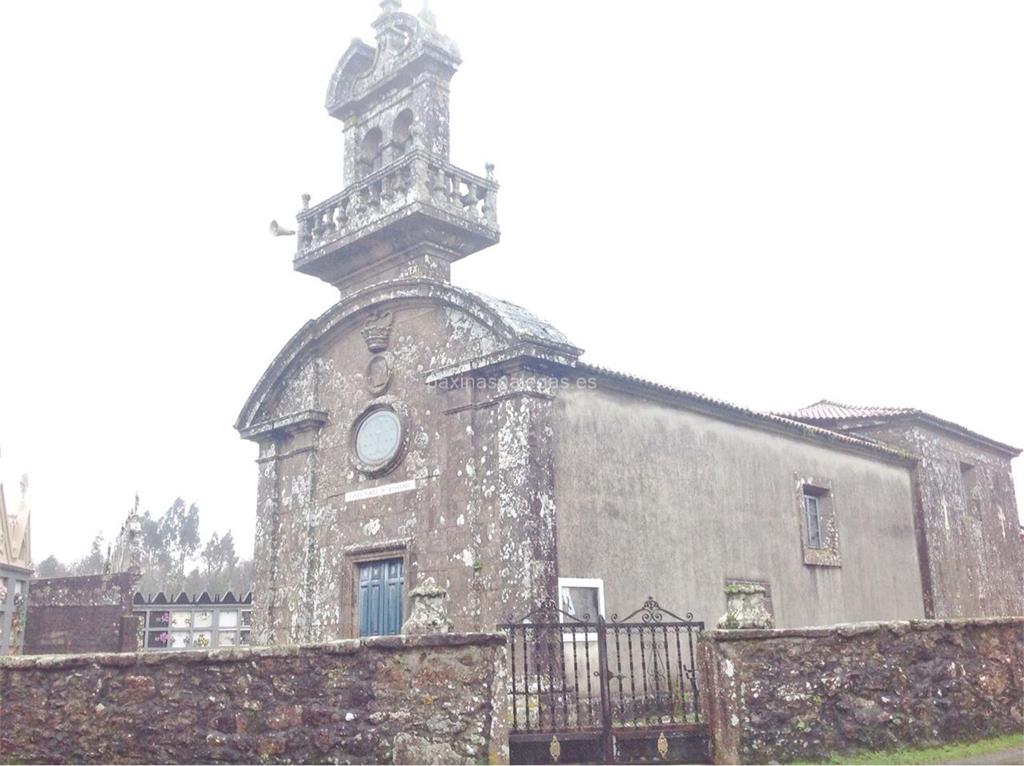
x=419, y=430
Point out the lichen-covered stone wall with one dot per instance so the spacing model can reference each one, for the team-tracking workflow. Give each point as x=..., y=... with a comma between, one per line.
x=972, y=556
x=469, y=500
x=789, y=695
x=92, y=613
x=427, y=699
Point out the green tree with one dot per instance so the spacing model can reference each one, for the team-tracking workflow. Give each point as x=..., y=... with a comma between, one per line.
x=51, y=567
x=94, y=562
x=195, y=583
x=169, y=544
x=179, y=532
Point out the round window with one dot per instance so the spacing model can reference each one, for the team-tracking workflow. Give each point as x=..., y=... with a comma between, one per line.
x=378, y=437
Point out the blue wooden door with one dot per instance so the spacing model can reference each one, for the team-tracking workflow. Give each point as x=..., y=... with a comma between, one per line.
x=380, y=597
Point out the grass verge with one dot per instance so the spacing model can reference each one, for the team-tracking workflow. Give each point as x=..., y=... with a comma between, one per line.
x=951, y=753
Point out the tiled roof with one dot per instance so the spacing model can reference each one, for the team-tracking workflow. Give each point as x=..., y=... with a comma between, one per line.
x=829, y=410
x=779, y=421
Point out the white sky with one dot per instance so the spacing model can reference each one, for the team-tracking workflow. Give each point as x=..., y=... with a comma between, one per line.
x=767, y=202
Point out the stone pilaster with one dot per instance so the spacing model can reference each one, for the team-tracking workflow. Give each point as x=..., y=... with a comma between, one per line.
x=267, y=541
x=522, y=534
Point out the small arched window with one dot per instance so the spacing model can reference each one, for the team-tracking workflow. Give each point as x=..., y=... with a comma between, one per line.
x=369, y=151
x=401, y=133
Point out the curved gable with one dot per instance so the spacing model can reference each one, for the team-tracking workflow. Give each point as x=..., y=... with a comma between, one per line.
x=488, y=332
x=355, y=63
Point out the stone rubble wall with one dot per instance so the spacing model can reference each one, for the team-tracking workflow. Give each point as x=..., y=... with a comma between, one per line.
x=91, y=613
x=803, y=694
x=393, y=699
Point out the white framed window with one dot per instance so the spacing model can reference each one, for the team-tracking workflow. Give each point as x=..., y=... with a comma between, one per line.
x=819, y=522
x=581, y=597
x=812, y=515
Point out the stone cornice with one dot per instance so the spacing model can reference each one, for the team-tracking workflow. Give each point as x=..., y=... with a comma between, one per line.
x=851, y=629
x=247, y=654
x=511, y=356
x=16, y=568
x=379, y=546
x=293, y=423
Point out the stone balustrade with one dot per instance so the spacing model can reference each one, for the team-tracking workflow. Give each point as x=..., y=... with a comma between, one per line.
x=416, y=180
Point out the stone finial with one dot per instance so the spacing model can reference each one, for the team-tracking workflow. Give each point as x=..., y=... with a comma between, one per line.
x=390, y=6
x=305, y=201
x=489, y=167
x=126, y=555
x=429, y=612
x=747, y=606
x=426, y=15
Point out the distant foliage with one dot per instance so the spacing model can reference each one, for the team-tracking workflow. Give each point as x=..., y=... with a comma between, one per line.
x=51, y=567
x=93, y=563
x=172, y=559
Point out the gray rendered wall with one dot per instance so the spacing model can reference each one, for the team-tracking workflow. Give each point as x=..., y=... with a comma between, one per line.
x=667, y=502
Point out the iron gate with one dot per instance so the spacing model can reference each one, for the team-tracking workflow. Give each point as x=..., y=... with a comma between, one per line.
x=585, y=688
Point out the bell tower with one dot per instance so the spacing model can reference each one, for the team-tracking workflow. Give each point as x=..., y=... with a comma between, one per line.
x=406, y=210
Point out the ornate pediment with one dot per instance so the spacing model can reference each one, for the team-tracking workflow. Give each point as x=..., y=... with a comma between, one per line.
x=406, y=46
x=354, y=64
